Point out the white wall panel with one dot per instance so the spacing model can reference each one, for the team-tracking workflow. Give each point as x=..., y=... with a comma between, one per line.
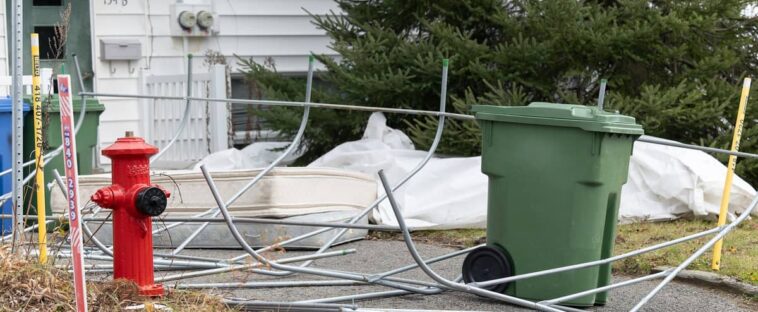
x=279, y=29
x=112, y=130
x=4, y=69
x=275, y=7
x=224, y=7
x=229, y=25
x=120, y=109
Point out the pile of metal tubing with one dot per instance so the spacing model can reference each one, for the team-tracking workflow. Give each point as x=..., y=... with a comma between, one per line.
x=193, y=266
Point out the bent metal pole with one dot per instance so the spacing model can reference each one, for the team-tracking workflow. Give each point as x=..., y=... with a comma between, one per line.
x=257, y=256
x=436, y=277
x=293, y=146
x=420, y=165
x=50, y=155
x=438, y=134
x=79, y=121
x=745, y=214
x=185, y=117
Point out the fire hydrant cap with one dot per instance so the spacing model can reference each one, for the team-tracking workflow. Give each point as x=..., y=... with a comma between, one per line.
x=130, y=146
x=151, y=201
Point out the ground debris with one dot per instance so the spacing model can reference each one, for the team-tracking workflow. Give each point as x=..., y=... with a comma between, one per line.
x=29, y=286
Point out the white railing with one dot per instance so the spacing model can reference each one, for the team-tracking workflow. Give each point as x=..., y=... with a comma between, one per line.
x=45, y=75
x=207, y=128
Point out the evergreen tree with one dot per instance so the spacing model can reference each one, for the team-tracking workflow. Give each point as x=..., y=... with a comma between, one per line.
x=675, y=65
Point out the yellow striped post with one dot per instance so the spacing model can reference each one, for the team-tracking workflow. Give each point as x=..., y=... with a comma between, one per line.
x=724, y=211
x=40, y=177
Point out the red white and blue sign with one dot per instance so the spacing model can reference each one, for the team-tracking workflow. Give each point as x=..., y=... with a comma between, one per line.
x=72, y=189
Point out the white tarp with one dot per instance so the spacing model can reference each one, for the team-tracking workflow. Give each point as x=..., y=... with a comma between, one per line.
x=446, y=193
x=253, y=156
x=664, y=182
x=667, y=182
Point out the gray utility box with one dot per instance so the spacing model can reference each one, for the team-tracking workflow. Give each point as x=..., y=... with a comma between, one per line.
x=120, y=50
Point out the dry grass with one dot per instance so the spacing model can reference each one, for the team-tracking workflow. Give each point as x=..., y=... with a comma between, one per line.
x=29, y=286
x=740, y=257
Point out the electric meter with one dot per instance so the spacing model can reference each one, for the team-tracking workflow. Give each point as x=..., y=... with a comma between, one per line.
x=187, y=19
x=205, y=19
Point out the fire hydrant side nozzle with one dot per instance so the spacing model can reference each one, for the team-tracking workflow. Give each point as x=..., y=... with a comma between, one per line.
x=109, y=196
x=134, y=201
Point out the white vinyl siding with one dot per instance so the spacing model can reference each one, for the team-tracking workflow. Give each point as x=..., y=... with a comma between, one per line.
x=279, y=29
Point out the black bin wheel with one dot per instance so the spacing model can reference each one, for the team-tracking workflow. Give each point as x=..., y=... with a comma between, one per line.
x=487, y=263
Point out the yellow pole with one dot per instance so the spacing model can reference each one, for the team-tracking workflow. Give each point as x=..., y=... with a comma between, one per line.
x=40, y=177
x=716, y=263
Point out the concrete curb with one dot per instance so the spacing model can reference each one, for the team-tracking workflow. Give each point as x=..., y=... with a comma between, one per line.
x=713, y=279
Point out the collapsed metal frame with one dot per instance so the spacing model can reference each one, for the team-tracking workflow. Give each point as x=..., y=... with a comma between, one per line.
x=193, y=266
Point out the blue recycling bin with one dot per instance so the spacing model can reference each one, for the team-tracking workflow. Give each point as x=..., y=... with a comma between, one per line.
x=6, y=158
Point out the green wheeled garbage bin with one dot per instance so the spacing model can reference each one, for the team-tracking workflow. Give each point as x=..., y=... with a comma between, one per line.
x=86, y=141
x=555, y=175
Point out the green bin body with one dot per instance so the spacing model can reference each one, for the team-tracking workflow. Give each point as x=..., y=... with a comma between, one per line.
x=86, y=142
x=555, y=175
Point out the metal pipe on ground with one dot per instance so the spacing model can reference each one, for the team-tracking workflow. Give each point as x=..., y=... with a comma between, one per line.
x=328, y=225
x=364, y=296
x=90, y=236
x=608, y=287
x=177, y=263
x=26, y=230
x=373, y=295
x=321, y=272
x=254, y=265
x=173, y=225
x=728, y=228
x=251, y=305
x=269, y=284
x=109, y=252
x=598, y=262
x=415, y=265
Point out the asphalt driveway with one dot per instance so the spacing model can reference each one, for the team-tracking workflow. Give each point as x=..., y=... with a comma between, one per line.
x=379, y=256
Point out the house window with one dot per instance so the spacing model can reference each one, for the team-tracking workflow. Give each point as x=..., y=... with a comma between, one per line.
x=47, y=2
x=247, y=127
x=47, y=43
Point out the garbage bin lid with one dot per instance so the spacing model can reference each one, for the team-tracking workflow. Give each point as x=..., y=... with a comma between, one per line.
x=588, y=118
x=6, y=105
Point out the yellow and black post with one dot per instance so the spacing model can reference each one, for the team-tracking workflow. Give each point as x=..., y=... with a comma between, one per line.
x=724, y=211
x=40, y=176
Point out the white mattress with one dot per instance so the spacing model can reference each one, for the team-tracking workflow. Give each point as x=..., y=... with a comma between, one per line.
x=305, y=194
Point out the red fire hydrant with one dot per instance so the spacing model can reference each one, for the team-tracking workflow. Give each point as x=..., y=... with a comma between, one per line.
x=134, y=202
